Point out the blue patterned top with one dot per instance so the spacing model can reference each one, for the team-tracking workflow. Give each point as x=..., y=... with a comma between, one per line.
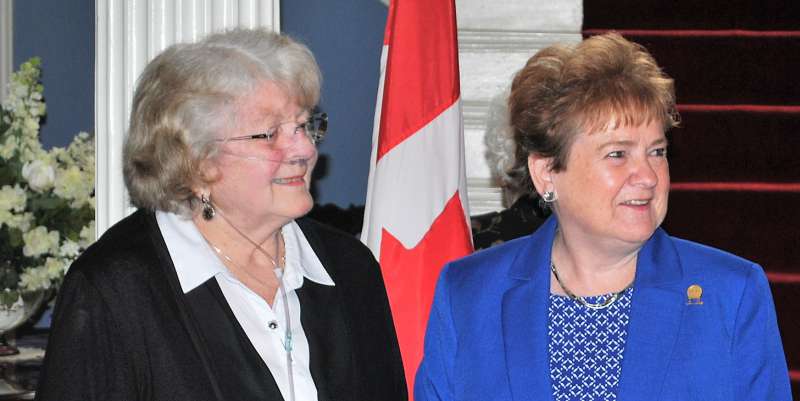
x=586, y=347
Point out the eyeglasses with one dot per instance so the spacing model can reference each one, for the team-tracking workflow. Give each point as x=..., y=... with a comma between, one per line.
x=314, y=129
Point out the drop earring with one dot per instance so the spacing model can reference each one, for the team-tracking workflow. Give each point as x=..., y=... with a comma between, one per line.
x=208, y=208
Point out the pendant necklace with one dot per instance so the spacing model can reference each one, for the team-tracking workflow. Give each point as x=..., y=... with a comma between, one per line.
x=279, y=270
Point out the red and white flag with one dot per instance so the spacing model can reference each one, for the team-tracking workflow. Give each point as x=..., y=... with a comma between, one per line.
x=416, y=216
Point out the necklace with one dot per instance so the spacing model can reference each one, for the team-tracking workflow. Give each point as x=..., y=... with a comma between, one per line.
x=279, y=270
x=257, y=246
x=582, y=300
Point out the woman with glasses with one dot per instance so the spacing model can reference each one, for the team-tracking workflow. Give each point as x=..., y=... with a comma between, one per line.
x=217, y=288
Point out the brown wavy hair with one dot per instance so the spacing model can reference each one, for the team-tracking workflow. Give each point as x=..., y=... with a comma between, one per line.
x=603, y=82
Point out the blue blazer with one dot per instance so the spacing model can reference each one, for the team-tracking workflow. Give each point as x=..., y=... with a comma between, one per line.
x=487, y=334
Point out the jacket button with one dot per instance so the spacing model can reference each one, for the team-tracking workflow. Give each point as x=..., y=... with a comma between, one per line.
x=272, y=324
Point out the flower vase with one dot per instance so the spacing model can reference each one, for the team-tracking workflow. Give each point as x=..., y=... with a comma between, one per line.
x=12, y=315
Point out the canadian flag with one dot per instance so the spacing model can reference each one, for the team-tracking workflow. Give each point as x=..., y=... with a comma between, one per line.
x=416, y=216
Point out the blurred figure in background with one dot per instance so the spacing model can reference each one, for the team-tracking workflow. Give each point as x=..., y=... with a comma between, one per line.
x=524, y=213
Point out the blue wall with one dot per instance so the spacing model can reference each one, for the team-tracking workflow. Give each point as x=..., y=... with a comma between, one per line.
x=62, y=34
x=345, y=35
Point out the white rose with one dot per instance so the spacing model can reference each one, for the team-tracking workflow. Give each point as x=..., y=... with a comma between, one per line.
x=39, y=241
x=13, y=198
x=21, y=221
x=18, y=90
x=69, y=249
x=35, y=278
x=5, y=218
x=31, y=124
x=38, y=109
x=56, y=267
x=40, y=175
x=87, y=235
x=9, y=148
x=75, y=185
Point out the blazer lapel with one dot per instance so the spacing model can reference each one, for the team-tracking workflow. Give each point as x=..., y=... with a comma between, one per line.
x=524, y=317
x=655, y=320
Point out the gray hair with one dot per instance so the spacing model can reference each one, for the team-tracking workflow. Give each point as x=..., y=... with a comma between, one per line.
x=500, y=146
x=187, y=95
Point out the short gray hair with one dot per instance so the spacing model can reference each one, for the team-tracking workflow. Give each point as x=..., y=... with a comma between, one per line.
x=187, y=95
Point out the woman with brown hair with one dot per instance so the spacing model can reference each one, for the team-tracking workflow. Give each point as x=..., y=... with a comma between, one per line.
x=600, y=303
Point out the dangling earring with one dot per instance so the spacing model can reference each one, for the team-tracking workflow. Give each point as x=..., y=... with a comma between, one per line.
x=208, y=208
x=549, y=196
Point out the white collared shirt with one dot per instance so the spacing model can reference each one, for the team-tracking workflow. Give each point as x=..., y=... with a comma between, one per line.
x=196, y=262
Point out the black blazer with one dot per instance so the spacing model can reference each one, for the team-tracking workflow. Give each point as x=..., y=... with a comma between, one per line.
x=123, y=329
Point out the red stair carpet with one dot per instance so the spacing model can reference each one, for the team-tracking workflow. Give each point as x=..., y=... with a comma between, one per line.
x=735, y=160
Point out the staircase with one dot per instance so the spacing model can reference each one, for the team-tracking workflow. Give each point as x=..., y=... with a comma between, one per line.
x=735, y=159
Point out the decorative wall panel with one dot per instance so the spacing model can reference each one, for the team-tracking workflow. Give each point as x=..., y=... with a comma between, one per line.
x=495, y=39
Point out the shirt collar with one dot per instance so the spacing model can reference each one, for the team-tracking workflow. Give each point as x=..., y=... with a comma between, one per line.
x=196, y=262
x=300, y=257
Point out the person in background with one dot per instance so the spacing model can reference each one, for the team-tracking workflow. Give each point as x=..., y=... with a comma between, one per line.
x=523, y=213
x=217, y=287
x=600, y=303
x=522, y=218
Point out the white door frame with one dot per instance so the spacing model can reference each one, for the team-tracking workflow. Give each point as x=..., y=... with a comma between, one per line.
x=6, y=45
x=128, y=34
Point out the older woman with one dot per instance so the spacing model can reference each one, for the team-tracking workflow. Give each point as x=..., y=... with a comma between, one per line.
x=217, y=288
x=600, y=303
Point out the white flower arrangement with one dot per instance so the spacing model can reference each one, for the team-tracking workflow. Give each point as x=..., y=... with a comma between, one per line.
x=46, y=196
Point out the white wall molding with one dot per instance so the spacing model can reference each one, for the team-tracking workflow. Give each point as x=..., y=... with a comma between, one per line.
x=484, y=195
x=521, y=15
x=129, y=33
x=475, y=113
x=495, y=39
x=6, y=45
